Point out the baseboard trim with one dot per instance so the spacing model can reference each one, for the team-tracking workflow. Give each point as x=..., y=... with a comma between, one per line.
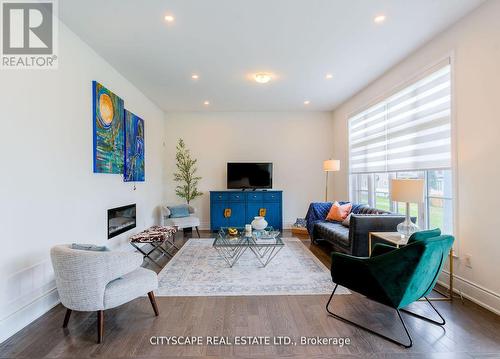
x=25, y=315
x=474, y=292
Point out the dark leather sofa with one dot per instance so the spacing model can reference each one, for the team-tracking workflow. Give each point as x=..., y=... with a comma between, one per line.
x=351, y=240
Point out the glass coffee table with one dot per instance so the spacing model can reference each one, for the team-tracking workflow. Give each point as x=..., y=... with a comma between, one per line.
x=264, y=244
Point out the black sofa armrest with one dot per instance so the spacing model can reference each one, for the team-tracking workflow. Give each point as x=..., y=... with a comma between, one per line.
x=360, y=225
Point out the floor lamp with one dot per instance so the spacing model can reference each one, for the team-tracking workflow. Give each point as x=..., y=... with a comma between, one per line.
x=330, y=166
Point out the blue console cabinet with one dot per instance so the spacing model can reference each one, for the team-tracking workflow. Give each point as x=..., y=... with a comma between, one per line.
x=244, y=206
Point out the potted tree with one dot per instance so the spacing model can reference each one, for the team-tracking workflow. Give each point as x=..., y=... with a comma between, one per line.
x=185, y=176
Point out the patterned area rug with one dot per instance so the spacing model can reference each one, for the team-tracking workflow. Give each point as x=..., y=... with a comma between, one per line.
x=198, y=270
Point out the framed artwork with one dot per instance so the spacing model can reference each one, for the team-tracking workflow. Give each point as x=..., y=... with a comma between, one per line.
x=134, y=148
x=107, y=113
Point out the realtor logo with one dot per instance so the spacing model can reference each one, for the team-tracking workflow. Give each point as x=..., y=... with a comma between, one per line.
x=28, y=35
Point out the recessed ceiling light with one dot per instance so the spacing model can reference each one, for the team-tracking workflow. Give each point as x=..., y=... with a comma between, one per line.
x=307, y=102
x=206, y=103
x=328, y=76
x=169, y=18
x=263, y=77
x=379, y=19
x=195, y=76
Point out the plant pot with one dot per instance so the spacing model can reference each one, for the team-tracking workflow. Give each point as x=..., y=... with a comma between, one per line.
x=259, y=223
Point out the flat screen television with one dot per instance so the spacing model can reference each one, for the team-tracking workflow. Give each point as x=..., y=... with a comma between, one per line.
x=249, y=175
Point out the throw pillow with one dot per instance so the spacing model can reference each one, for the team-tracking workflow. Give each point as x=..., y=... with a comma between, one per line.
x=339, y=212
x=179, y=211
x=347, y=221
x=89, y=247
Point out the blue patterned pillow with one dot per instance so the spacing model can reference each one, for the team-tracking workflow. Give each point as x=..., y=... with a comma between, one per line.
x=179, y=211
x=89, y=247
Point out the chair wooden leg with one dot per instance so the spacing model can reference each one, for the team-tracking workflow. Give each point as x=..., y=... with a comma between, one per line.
x=152, y=299
x=66, y=318
x=197, y=231
x=100, y=325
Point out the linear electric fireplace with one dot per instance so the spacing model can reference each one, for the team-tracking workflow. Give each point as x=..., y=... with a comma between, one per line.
x=120, y=220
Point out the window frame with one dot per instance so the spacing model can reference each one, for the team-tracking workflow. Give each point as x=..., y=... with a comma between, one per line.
x=422, y=208
x=450, y=57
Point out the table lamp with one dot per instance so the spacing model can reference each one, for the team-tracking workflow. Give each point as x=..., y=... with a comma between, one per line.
x=409, y=191
x=330, y=166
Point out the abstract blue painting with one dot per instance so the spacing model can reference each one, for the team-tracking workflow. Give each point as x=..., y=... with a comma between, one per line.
x=107, y=117
x=134, y=148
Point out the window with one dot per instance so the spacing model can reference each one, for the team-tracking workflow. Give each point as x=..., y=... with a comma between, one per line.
x=406, y=135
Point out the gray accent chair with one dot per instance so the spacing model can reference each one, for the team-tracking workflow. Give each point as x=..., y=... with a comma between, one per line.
x=100, y=280
x=181, y=222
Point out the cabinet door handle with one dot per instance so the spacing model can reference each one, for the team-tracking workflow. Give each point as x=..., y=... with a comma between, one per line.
x=227, y=213
x=262, y=212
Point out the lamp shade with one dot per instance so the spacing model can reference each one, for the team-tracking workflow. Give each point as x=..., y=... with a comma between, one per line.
x=407, y=190
x=331, y=165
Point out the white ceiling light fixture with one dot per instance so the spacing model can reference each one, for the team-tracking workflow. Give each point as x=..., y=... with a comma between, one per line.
x=379, y=19
x=169, y=18
x=206, y=102
x=195, y=76
x=307, y=102
x=263, y=77
x=328, y=76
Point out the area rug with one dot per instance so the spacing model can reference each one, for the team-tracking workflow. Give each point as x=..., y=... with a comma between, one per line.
x=198, y=270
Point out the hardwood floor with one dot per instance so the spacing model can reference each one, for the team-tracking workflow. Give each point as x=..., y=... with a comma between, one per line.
x=470, y=332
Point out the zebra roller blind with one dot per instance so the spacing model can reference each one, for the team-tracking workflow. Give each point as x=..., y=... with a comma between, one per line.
x=408, y=131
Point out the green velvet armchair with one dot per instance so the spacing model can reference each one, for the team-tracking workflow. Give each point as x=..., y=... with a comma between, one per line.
x=395, y=277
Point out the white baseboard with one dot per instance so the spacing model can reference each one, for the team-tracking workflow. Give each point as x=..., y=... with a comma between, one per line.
x=27, y=314
x=474, y=292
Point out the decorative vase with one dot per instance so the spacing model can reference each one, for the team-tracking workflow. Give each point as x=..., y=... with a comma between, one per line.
x=259, y=223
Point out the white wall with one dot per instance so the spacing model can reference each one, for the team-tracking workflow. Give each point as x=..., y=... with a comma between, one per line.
x=296, y=143
x=475, y=44
x=48, y=192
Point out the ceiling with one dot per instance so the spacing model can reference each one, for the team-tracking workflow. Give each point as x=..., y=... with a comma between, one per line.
x=225, y=41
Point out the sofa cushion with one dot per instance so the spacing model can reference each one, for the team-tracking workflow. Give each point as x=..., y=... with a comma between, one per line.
x=333, y=232
x=347, y=221
x=183, y=222
x=370, y=210
x=356, y=207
